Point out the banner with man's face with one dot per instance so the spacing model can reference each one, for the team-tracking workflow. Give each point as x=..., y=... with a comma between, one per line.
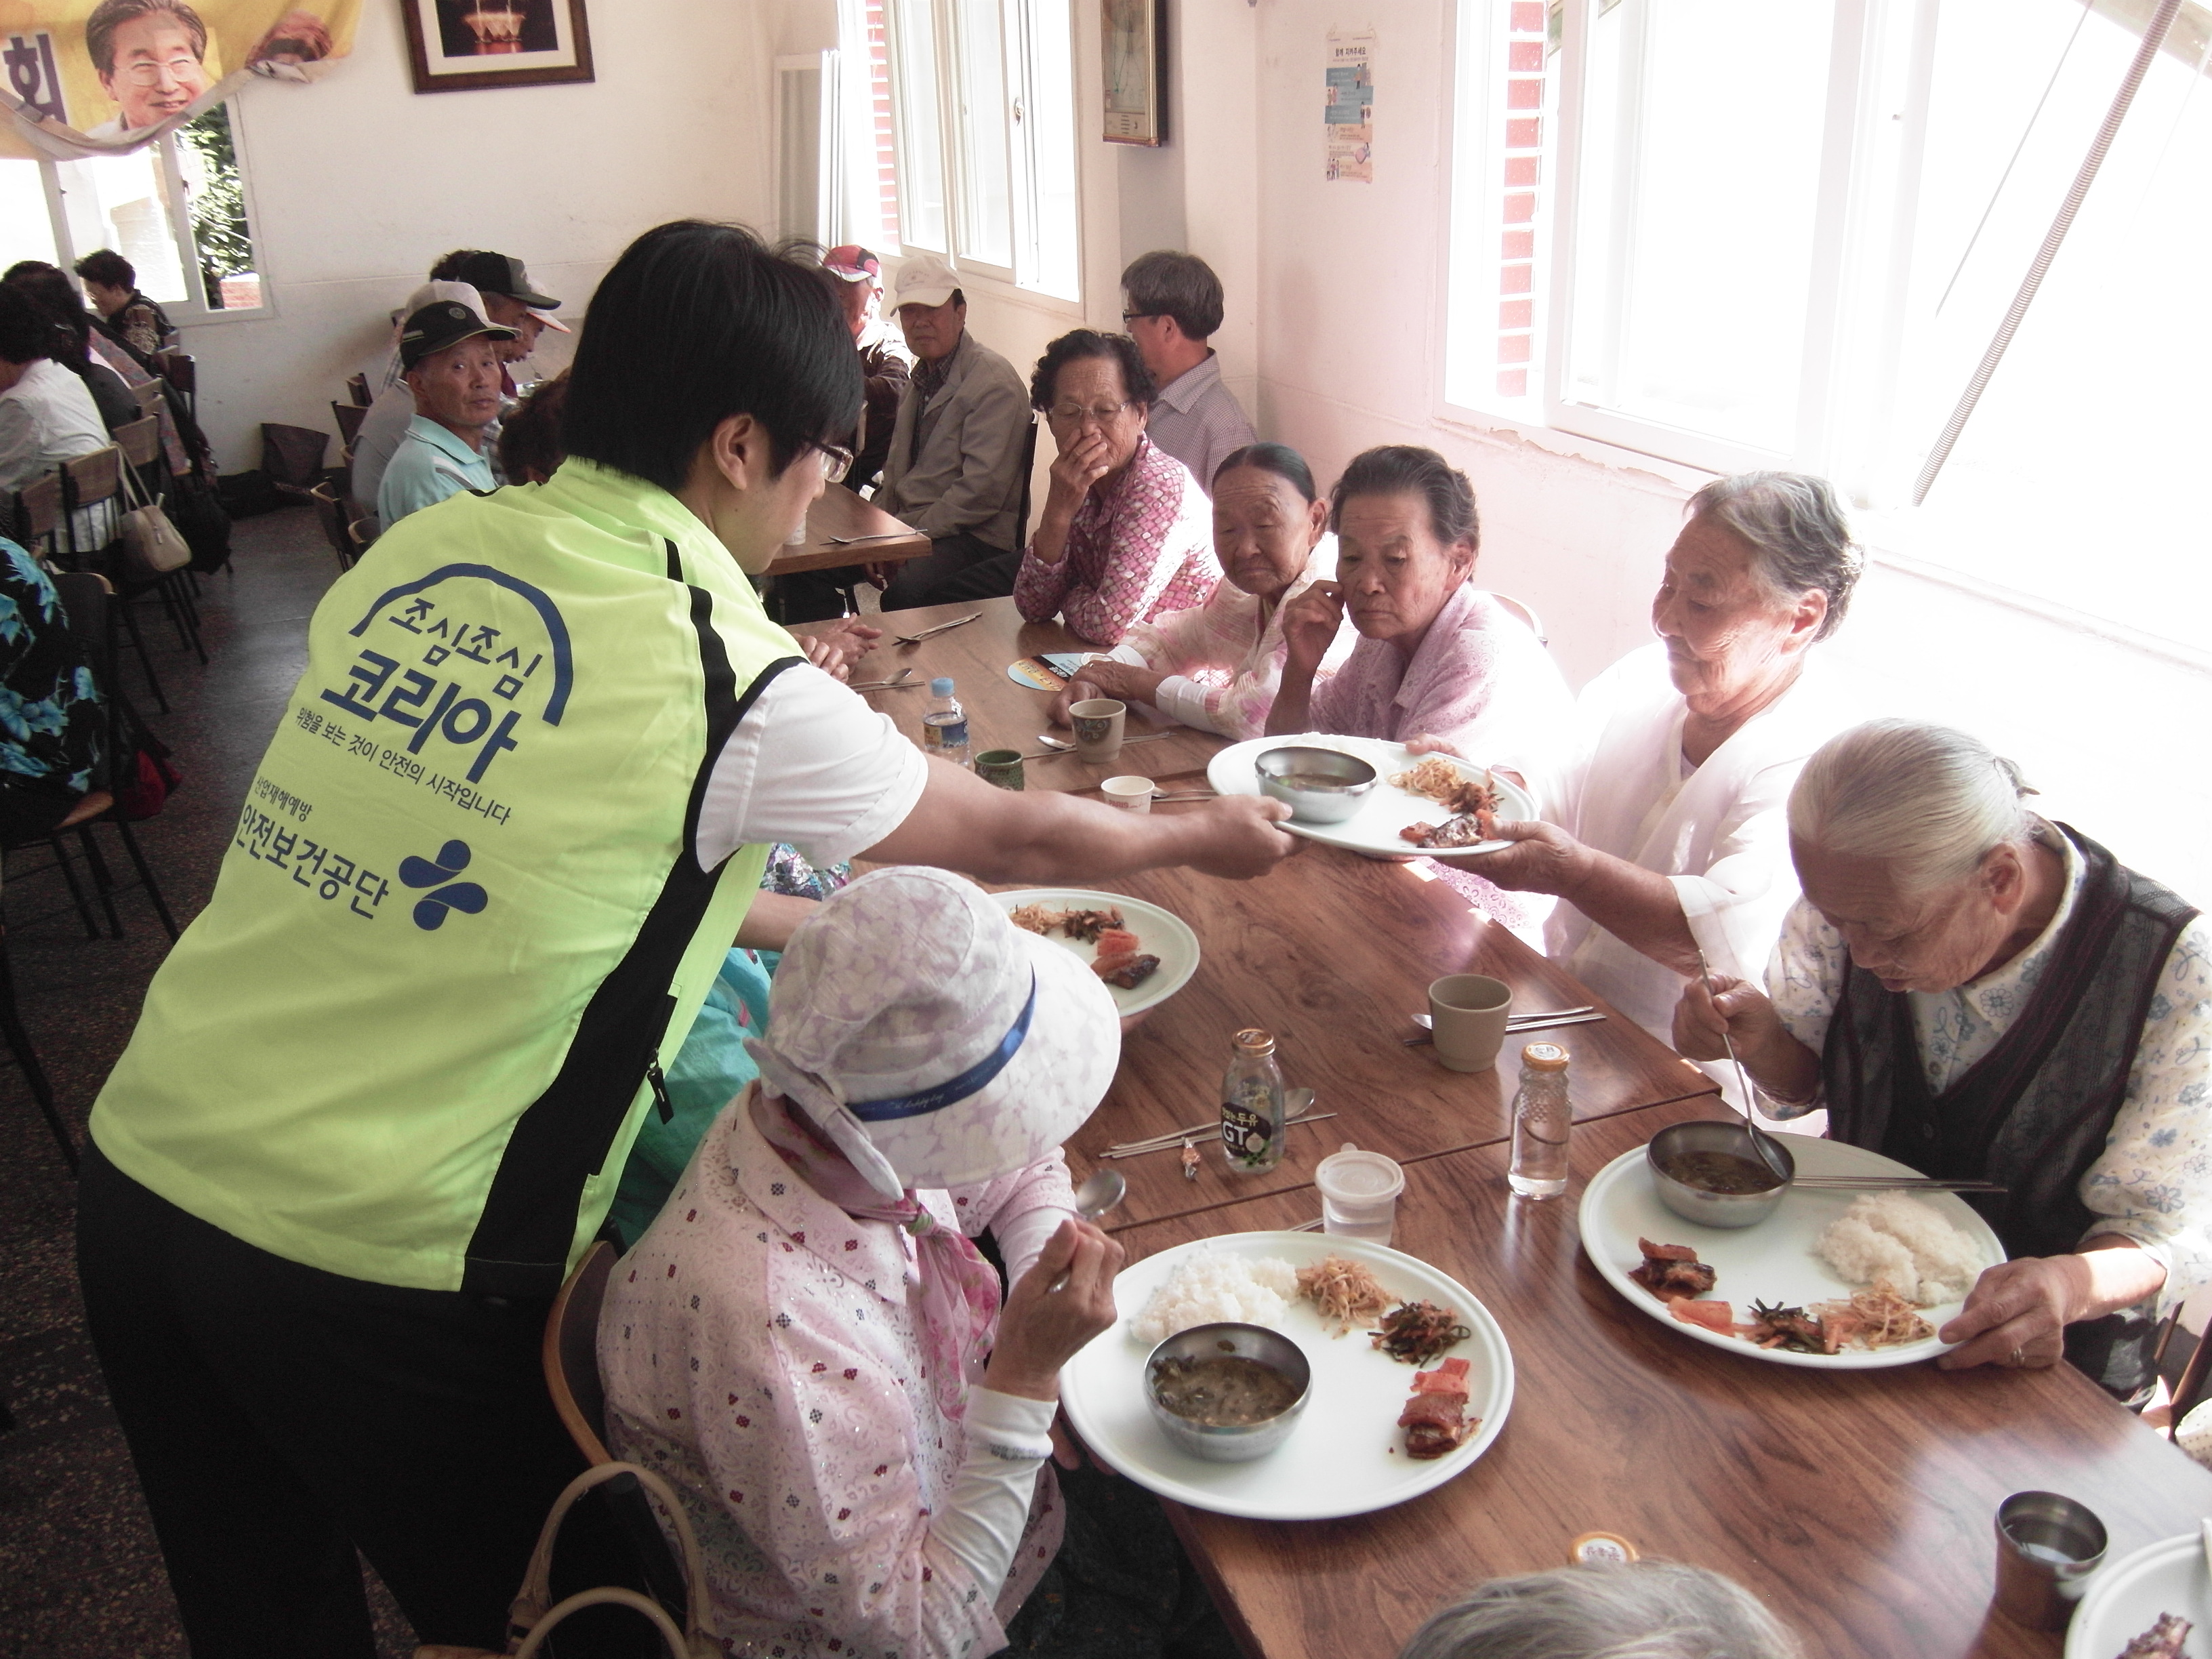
x=97, y=77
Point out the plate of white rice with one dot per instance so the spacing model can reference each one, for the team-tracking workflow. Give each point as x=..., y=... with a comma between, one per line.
x=1818, y=1246
x=1347, y=1455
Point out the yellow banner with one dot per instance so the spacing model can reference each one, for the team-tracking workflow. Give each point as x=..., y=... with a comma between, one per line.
x=97, y=77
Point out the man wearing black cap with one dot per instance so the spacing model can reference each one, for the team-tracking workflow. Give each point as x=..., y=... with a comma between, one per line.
x=510, y=299
x=452, y=363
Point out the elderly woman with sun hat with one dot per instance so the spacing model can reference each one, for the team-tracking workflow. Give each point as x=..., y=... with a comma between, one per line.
x=808, y=1344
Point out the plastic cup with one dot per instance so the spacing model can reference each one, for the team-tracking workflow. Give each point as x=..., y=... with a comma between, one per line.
x=1359, y=1194
x=1097, y=723
x=1466, y=1017
x=1131, y=795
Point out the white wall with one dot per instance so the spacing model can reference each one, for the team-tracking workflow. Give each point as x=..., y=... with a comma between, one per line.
x=358, y=185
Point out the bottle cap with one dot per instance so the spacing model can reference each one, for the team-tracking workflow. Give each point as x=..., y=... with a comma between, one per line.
x=1600, y=1549
x=1544, y=1057
x=940, y=687
x=1254, y=1042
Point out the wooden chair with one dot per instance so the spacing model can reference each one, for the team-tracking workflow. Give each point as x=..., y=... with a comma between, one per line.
x=357, y=389
x=331, y=516
x=348, y=417
x=364, y=533
x=153, y=395
x=39, y=513
x=182, y=372
x=570, y=1354
x=1029, y=466
x=26, y=1060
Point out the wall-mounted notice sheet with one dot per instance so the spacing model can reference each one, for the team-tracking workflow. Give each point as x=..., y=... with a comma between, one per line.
x=1348, y=111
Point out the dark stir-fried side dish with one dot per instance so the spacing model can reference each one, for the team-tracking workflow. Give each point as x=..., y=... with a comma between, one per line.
x=1417, y=1332
x=2161, y=1641
x=1671, y=1272
x=1435, y=1419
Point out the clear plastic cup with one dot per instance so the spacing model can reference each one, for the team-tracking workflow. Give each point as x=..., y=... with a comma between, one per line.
x=1359, y=1194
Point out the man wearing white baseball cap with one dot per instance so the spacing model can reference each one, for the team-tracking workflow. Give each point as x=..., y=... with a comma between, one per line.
x=955, y=468
x=799, y=1343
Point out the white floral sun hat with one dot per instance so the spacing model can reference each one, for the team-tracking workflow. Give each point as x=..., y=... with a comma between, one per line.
x=932, y=1040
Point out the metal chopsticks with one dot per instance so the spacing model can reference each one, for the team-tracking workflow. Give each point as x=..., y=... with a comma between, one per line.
x=1170, y=1142
x=916, y=639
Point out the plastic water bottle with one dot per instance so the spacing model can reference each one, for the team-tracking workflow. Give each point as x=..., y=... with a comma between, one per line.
x=944, y=726
x=1252, y=1105
x=1542, y=1120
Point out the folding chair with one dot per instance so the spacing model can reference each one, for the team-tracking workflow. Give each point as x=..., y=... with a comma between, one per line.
x=364, y=533
x=141, y=444
x=348, y=417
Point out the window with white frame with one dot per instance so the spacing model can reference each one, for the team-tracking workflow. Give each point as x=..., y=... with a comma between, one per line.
x=1737, y=233
x=983, y=100
x=175, y=208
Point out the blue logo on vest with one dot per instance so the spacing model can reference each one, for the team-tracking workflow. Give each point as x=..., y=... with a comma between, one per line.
x=466, y=896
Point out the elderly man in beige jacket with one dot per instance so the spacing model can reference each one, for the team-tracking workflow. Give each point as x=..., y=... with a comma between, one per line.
x=954, y=472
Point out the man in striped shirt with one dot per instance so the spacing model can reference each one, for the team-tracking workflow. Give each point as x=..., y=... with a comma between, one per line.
x=1173, y=306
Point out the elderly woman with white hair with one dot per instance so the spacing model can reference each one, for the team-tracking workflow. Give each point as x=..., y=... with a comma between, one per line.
x=1667, y=836
x=799, y=1341
x=1982, y=993
x=1646, y=1609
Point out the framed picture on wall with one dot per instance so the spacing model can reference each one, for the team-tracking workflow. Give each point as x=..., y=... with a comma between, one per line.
x=457, y=46
x=1136, y=70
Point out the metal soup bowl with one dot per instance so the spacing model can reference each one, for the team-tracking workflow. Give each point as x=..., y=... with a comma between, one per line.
x=1695, y=1203
x=1245, y=1442
x=1351, y=780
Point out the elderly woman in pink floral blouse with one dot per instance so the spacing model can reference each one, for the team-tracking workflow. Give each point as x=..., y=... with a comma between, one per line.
x=1127, y=532
x=799, y=1343
x=1216, y=666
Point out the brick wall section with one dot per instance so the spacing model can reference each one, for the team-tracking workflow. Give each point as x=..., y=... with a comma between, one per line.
x=1524, y=99
x=879, y=103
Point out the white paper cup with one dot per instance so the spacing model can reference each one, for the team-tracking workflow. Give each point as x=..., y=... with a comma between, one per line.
x=1131, y=795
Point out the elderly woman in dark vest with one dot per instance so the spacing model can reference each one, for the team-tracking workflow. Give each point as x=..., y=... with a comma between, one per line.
x=1979, y=993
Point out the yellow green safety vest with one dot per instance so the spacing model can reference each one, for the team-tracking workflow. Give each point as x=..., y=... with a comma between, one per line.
x=461, y=919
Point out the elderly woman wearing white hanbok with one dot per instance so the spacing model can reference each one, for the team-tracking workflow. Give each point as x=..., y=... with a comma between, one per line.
x=1670, y=836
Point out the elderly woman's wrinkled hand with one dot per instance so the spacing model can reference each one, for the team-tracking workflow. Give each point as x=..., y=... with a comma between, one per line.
x=2017, y=1314
x=1075, y=691
x=1041, y=1328
x=1542, y=858
x=1311, y=622
x=1710, y=1014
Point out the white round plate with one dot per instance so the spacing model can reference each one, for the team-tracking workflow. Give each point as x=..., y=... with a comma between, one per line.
x=1347, y=1455
x=1159, y=933
x=1773, y=1263
x=1374, y=828
x=2126, y=1597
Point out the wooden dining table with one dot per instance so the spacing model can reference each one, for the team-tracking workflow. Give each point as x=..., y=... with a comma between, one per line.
x=1330, y=952
x=1858, y=1506
x=875, y=536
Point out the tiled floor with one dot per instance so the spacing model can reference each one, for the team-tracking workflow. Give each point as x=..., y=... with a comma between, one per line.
x=80, y=1578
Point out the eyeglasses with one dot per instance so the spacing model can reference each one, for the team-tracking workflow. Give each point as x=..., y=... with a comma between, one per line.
x=1128, y=317
x=151, y=74
x=1072, y=414
x=833, y=461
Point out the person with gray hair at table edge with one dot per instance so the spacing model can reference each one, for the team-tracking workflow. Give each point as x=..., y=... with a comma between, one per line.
x=1666, y=835
x=1982, y=993
x=1171, y=307
x=1637, y=1610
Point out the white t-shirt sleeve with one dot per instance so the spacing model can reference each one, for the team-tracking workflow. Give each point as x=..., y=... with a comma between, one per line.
x=811, y=764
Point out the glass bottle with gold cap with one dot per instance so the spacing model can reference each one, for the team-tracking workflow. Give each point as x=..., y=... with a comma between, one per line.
x=1252, y=1104
x=1542, y=1118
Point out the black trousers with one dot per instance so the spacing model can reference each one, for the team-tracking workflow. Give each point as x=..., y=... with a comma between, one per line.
x=957, y=567
x=282, y=1417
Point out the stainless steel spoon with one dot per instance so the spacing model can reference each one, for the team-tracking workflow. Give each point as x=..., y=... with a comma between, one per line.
x=1769, y=1150
x=1101, y=1191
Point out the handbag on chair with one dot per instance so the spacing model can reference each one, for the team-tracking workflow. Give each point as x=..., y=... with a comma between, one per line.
x=530, y=1620
x=151, y=545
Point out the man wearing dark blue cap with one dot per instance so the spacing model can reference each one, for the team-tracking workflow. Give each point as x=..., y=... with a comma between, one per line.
x=452, y=366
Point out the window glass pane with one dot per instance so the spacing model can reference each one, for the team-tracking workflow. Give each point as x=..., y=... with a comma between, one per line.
x=2078, y=476
x=986, y=231
x=921, y=155
x=27, y=230
x=215, y=197
x=1047, y=129
x=122, y=202
x=1700, y=166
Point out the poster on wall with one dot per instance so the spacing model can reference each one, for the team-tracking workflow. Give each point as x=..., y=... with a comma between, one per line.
x=459, y=46
x=101, y=77
x=1136, y=48
x=1348, y=106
